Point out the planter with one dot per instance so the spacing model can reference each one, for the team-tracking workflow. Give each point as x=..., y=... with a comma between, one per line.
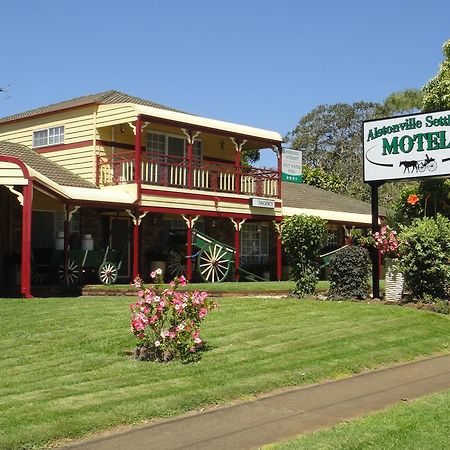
x=394, y=281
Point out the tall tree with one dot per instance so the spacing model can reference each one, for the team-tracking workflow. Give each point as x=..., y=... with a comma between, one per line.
x=437, y=90
x=330, y=139
x=408, y=101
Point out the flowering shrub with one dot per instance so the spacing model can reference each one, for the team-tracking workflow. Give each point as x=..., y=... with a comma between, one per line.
x=386, y=241
x=166, y=322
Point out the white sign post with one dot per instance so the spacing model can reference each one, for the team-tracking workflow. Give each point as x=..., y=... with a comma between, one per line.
x=414, y=146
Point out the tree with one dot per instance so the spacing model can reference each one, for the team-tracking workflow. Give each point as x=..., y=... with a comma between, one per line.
x=319, y=178
x=330, y=139
x=437, y=90
x=408, y=101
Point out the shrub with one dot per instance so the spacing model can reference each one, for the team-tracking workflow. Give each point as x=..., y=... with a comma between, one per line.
x=302, y=237
x=425, y=255
x=349, y=274
x=166, y=322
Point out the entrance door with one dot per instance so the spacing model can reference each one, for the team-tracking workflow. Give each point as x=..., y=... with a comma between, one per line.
x=120, y=241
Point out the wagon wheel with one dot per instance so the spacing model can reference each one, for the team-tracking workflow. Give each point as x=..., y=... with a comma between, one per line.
x=108, y=273
x=73, y=272
x=432, y=166
x=176, y=263
x=38, y=277
x=214, y=263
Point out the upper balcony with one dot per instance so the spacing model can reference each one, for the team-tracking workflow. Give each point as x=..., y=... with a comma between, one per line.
x=179, y=172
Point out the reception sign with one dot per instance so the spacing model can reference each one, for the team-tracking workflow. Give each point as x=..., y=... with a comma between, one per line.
x=291, y=165
x=406, y=147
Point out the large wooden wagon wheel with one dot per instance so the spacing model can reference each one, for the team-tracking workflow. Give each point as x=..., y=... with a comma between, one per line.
x=214, y=263
x=176, y=263
x=108, y=272
x=73, y=272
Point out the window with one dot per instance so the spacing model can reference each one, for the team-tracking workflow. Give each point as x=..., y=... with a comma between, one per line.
x=165, y=144
x=254, y=243
x=46, y=225
x=49, y=136
x=332, y=238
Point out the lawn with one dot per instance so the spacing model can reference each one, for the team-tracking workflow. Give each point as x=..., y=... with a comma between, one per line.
x=422, y=424
x=65, y=373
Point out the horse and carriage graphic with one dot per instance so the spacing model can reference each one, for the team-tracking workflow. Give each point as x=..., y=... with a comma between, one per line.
x=419, y=165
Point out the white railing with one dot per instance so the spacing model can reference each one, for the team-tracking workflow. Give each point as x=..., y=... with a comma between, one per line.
x=207, y=176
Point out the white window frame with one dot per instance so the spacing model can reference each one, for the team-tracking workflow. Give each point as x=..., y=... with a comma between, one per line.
x=259, y=252
x=166, y=143
x=50, y=139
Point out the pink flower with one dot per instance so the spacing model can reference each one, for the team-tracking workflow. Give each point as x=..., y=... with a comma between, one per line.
x=202, y=313
x=153, y=274
x=182, y=280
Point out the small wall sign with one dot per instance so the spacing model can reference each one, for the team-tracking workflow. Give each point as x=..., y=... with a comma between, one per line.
x=291, y=166
x=413, y=146
x=262, y=203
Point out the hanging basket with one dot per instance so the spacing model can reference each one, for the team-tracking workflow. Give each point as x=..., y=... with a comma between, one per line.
x=394, y=281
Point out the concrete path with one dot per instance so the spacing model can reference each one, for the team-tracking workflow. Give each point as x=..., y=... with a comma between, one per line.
x=276, y=417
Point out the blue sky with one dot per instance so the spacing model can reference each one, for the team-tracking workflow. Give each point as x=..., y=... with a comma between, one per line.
x=257, y=62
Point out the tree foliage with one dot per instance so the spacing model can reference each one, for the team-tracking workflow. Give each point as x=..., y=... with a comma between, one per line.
x=319, y=178
x=437, y=90
x=330, y=139
x=424, y=255
x=302, y=237
x=408, y=101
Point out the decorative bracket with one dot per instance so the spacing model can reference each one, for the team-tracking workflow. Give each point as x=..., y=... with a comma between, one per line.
x=238, y=145
x=276, y=150
x=278, y=227
x=71, y=213
x=237, y=223
x=348, y=232
x=18, y=194
x=136, y=218
x=190, y=138
x=190, y=221
x=133, y=126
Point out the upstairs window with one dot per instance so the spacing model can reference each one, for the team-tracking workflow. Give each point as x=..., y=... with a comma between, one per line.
x=49, y=136
x=171, y=145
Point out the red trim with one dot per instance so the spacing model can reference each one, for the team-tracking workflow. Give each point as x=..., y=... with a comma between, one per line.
x=47, y=113
x=198, y=212
x=237, y=247
x=210, y=130
x=136, y=248
x=21, y=164
x=25, y=281
x=57, y=148
x=280, y=165
x=189, y=249
x=118, y=145
x=278, y=257
x=196, y=196
x=138, y=157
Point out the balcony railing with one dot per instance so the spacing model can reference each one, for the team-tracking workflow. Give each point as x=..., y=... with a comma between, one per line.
x=172, y=171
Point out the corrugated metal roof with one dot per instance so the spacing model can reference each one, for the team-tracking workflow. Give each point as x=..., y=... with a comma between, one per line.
x=43, y=165
x=107, y=97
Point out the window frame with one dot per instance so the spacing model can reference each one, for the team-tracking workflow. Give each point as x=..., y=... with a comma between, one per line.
x=166, y=145
x=48, y=137
x=259, y=257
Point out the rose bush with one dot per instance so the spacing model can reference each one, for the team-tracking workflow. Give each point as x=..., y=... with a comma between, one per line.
x=166, y=322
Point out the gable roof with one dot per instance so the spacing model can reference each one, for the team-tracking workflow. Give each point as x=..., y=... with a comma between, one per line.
x=44, y=166
x=304, y=196
x=101, y=98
